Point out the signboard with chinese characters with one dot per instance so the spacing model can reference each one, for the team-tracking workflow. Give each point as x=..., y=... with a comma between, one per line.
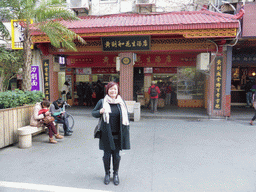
x=218, y=83
x=143, y=60
x=104, y=70
x=126, y=43
x=46, y=79
x=82, y=78
x=148, y=70
x=84, y=71
x=165, y=60
x=244, y=58
x=35, y=85
x=165, y=70
x=17, y=30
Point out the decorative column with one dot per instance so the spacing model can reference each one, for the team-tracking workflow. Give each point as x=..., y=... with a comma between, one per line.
x=51, y=81
x=126, y=76
x=218, y=94
x=227, y=112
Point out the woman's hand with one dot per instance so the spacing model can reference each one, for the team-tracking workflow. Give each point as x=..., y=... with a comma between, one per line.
x=102, y=110
x=47, y=113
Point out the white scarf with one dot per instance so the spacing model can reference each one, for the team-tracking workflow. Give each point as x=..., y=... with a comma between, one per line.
x=106, y=105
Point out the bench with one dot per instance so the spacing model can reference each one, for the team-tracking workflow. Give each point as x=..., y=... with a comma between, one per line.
x=25, y=135
x=134, y=108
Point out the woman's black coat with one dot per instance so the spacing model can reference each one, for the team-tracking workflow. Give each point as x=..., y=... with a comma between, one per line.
x=106, y=140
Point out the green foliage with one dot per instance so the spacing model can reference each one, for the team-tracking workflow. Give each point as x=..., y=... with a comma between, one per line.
x=10, y=63
x=4, y=33
x=11, y=99
x=48, y=17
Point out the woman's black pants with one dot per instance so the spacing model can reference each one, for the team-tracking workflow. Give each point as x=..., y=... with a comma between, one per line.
x=116, y=159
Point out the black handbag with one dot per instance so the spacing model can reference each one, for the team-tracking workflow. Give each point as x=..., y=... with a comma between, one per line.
x=97, y=131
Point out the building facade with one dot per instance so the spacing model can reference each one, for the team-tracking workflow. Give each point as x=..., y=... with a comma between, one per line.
x=161, y=47
x=171, y=47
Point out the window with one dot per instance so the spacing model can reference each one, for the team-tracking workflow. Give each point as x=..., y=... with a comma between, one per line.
x=108, y=1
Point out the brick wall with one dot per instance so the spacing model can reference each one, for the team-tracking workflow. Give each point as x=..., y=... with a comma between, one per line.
x=126, y=78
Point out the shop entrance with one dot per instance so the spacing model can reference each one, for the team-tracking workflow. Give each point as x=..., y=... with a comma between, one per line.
x=168, y=87
x=138, y=82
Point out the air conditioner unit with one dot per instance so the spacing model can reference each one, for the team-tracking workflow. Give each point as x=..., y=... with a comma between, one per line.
x=145, y=2
x=78, y=4
x=117, y=63
x=202, y=61
x=126, y=7
x=233, y=1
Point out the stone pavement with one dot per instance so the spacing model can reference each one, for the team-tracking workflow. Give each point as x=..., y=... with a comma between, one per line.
x=173, y=112
x=167, y=155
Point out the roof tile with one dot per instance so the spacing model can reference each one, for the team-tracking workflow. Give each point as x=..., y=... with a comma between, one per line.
x=203, y=19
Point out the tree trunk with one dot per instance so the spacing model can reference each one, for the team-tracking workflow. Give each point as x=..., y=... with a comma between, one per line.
x=26, y=82
x=1, y=84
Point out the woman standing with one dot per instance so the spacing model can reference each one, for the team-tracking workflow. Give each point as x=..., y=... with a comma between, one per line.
x=36, y=120
x=115, y=134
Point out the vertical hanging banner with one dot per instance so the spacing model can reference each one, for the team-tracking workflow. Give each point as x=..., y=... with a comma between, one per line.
x=35, y=83
x=218, y=83
x=46, y=79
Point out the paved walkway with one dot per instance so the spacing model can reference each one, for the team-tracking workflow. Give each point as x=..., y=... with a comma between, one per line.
x=167, y=155
x=173, y=112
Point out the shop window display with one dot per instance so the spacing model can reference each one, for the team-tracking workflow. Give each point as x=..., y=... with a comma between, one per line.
x=105, y=78
x=190, y=84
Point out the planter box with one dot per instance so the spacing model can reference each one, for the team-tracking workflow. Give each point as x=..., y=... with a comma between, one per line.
x=10, y=120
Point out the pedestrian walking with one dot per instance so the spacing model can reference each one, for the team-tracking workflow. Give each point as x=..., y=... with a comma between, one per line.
x=248, y=90
x=153, y=91
x=114, y=128
x=254, y=106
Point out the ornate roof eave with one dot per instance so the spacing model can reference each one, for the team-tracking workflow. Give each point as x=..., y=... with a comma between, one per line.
x=186, y=33
x=194, y=24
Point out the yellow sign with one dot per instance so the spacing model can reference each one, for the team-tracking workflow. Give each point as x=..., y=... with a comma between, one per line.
x=17, y=31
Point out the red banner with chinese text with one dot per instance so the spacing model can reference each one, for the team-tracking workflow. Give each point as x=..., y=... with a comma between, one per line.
x=143, y=60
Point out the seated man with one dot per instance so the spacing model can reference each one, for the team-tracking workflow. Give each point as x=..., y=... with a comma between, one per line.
x=60, y=116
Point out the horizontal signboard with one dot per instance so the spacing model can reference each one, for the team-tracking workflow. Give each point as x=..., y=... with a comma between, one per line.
x=126, y=43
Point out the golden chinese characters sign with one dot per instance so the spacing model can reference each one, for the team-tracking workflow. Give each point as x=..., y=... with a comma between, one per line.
x=126, y=43
x=218, y=83
x=46, y=79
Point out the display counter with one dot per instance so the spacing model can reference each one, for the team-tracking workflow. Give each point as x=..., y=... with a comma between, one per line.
x=238, y=97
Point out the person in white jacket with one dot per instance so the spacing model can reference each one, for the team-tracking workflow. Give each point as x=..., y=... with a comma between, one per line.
x=64, y=90
x=36, y=120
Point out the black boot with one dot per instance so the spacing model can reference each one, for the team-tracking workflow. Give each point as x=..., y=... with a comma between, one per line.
x=107, y=170
x=67, y=134
x=116, y=163
x=66, y=131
